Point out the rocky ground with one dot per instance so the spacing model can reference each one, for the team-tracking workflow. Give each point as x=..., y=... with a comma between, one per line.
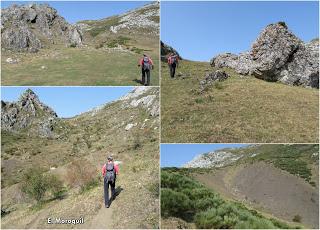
x=90, y=136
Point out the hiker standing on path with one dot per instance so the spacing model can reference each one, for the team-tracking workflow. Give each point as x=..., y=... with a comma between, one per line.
x=173, y=63
x=146, y=64
x=110, y=170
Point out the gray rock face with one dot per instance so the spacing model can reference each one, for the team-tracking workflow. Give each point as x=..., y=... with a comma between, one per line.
x=146, y=97
x=213, y=160
x=28, y=27
x=277, y=55
x=28, y=112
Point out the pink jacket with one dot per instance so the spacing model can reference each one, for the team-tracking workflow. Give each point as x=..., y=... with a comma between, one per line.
x=104, y=169
x=141, y=61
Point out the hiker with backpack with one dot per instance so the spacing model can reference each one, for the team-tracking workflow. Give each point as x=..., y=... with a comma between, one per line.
x=146, y=64
x=173, y=64
x=110, y=170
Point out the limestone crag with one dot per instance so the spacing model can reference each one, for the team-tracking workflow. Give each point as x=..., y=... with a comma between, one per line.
x=28, y=112
x=277, y=55
x=146, y=97
x=31, y=27
x=144, y=17
x=213, y=159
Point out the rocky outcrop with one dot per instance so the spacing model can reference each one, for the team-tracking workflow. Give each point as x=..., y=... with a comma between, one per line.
x=28, y=112
x=146, y=97
x=146, y=17
x=166, y=50
x=277, y=55
x=210, y=78
x=29, y=27
x=213, y=159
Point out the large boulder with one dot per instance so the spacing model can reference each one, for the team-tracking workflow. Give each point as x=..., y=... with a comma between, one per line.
x=29, y=27
x=277, y=55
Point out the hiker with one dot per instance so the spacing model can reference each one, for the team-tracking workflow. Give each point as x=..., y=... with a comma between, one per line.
x=173, y=63
x=146, y=65
x=110, y=170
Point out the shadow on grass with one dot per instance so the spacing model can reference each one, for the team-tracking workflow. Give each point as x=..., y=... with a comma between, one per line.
x=138, y=81
x=117, y=193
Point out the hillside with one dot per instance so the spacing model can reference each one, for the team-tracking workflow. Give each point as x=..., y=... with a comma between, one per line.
x=50, y=51
x=275, y=182
x=126, y=128
x=240, y=109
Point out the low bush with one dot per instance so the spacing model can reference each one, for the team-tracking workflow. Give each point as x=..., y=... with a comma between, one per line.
x=82, y=174
x=36, y=184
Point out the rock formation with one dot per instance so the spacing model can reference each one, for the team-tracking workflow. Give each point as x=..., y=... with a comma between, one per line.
x=28, y=112
x=215, y=76
x=277, y=55
x=30, y=27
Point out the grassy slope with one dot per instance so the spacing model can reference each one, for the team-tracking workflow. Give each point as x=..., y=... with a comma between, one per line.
x=204, y=207
x=88, y=65
x=92, y=138
x=238, y=110
x=298, y=160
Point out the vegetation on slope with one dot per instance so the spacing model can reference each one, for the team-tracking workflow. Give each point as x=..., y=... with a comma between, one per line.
x=183, y=197
x=295, y=159
x=240, y=109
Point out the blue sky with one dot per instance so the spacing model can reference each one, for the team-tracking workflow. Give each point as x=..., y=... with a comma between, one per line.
x=74, y=11
x=68, y=101
x=176, y=155
x=201, y=30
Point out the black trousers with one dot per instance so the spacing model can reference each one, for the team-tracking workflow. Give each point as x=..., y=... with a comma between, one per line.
x=106, y=190
x=145, y=73
x=172, y=70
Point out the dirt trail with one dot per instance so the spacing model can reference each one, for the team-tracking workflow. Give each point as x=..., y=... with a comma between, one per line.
x=102, y=220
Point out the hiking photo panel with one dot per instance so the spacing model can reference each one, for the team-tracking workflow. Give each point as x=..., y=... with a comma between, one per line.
x=80, y=157
x=239, y=186
x=80, y=43
x=239, y=72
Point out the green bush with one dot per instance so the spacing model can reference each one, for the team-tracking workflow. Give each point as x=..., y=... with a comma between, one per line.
x=174, y=203
x=36, y=184
x=297, y=218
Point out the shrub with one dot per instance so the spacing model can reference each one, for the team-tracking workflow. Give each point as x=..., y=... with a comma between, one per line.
x=36, y=184
x=56, y=187
x=174, y=203
x=81, y=174
x=297, y=218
